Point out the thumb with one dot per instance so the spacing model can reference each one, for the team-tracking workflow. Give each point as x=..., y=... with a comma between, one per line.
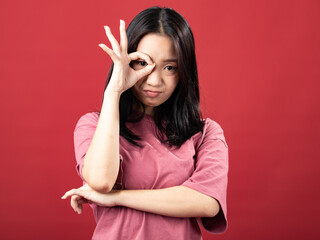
x=145, y=71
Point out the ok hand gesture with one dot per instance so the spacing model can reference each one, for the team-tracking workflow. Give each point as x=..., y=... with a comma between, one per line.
x=123, y=76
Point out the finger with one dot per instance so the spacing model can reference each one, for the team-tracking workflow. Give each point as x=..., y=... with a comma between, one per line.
x=80, y=208
x=144, y=71
x=80, y=203
x=123, y=37
x=113, y=41
x=68, y=194
x=74, y=203
x=109, y=51
x=75, y=192
x=136, y=55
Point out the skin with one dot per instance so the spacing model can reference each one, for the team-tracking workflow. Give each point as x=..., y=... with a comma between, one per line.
x=153, y=69
x=164, y=76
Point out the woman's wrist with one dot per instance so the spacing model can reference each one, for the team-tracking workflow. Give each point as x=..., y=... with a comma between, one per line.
x=111, y=101
x=119, y=197
x=110, y=92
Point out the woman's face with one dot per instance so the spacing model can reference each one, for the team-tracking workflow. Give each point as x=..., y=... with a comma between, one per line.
x=157, y=87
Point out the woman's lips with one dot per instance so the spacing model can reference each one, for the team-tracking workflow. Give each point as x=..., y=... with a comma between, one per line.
x=152, y=94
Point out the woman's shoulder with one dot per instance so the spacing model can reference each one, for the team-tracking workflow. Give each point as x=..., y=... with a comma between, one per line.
x=211, y=131
x=90, y=116
x=88, y=119
x=211, y=125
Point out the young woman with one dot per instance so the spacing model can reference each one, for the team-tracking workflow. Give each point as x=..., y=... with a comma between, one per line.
x=152, y=167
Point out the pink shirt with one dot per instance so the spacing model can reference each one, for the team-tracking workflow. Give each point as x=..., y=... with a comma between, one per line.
x=201, y=163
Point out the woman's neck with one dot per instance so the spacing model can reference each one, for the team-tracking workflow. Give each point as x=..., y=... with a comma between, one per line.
x=139, y=108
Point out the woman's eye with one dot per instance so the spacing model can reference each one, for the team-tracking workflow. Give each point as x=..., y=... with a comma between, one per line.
x=170, y=68
x=138, y=64
x=142, y=63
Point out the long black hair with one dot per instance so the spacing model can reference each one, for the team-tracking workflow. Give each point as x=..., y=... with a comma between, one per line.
x=179, y=117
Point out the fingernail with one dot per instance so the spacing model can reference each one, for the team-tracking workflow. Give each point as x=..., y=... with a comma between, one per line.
x=100, y=45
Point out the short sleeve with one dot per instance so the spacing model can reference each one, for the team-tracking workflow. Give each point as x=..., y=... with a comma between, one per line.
x=83, y=134
x=210, y=176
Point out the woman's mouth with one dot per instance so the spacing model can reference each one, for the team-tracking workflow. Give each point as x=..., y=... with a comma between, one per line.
x=152, y=94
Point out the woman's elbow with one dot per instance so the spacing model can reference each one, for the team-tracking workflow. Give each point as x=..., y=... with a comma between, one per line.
x=100, y=187
x=212, y=208
x=99, y=184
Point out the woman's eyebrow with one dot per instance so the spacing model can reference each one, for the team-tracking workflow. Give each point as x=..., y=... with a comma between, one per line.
x=171, y=60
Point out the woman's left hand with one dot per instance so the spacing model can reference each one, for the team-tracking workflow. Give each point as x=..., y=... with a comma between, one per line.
x=86, y=194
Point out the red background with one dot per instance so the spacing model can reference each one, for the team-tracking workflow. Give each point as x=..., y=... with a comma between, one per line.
x=259, y=72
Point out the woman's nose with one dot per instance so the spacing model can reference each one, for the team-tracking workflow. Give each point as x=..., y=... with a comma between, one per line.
x=154, y=78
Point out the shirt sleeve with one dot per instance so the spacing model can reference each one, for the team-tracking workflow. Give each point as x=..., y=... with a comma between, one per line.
x=210, y=174
x=83, y=134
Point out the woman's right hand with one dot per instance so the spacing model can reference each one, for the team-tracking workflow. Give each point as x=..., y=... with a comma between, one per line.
x=123, y=76
x=86, y=194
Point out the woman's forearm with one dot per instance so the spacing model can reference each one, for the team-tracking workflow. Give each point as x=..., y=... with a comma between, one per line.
x=101, y=163
x=179, y=201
